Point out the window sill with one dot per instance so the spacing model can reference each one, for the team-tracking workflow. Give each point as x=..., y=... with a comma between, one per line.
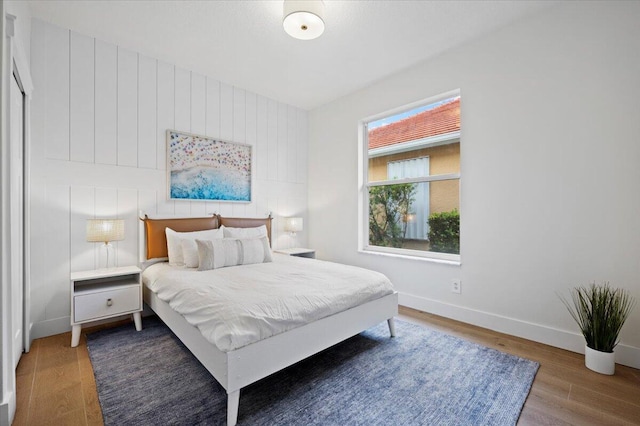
x=409, y=257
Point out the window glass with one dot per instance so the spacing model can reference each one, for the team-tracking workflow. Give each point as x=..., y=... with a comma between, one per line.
x=413, y=181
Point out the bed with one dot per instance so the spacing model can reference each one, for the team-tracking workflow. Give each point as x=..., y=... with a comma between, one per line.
x=241, y=364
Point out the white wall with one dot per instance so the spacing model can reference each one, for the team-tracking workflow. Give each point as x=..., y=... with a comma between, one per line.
x=100, y=114
x=550, y=177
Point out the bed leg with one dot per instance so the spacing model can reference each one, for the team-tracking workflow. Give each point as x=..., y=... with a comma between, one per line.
x=392, y=327
x=233, y=401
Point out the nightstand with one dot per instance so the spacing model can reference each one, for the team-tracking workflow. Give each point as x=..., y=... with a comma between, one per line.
x=299, y=252
x=105, y=293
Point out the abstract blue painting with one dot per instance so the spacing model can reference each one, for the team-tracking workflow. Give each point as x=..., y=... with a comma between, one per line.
x=203, y=168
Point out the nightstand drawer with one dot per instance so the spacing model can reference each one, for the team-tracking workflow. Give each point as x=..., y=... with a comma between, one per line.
x=106, y=303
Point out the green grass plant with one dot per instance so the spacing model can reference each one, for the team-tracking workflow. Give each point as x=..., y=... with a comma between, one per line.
x=600, y=312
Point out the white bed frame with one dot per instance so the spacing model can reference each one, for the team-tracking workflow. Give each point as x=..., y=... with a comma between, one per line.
x=241, y=367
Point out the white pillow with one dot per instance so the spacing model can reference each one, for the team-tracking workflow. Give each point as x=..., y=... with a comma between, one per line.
x=213, y=254
x=257, y=232
x=174, y=245
x=189, y=252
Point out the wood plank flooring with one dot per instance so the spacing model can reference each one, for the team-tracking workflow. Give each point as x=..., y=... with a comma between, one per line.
x=56, y=386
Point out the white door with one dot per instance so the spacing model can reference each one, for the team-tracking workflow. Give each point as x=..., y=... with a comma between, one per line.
x=16, y=167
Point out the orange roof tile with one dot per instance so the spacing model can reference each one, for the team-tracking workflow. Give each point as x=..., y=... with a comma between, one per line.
x=437, y=121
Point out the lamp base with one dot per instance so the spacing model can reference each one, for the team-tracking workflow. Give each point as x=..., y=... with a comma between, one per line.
x=108, y=256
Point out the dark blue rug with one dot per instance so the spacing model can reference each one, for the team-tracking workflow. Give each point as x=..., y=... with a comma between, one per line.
x=421, y=377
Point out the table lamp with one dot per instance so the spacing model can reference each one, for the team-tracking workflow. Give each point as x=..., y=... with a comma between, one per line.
x=105, y=231
x=293, y=225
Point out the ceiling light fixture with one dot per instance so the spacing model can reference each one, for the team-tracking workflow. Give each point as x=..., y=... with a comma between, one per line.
x=303, y=18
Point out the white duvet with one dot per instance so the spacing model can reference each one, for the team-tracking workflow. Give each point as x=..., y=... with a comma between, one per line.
x=236, y=306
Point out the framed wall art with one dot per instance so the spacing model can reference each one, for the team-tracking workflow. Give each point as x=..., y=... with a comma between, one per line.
x=204, y=168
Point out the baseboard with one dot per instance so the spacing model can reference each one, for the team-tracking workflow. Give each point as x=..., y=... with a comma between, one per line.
x=50, y=327
x=625, y=355
x=63, y=325
x=7, y=409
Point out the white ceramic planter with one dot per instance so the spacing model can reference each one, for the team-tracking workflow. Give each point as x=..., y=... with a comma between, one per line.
x=600, y=362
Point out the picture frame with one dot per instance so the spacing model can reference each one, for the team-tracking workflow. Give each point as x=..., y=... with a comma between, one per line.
x=201, y=168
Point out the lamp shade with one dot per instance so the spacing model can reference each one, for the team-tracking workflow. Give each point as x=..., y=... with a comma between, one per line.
x=303, y=18
x=105, y=230
x=293, y=224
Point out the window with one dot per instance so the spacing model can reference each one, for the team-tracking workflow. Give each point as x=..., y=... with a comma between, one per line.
x=411, y=180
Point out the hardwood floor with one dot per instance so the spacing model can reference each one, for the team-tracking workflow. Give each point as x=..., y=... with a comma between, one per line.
x=56, y=386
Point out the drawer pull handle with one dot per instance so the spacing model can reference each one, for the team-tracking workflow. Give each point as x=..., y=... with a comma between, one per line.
x=109, y=302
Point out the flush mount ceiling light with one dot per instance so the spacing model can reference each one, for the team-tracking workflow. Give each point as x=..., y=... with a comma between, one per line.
x=303, y=18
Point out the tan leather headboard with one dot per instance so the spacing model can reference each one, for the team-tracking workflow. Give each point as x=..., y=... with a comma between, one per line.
x=157, y=238
x=242, y=222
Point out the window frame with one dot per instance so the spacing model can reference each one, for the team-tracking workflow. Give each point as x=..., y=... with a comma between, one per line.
x=364, y=185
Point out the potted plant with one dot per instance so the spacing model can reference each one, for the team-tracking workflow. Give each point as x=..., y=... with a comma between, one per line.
x=600, y=312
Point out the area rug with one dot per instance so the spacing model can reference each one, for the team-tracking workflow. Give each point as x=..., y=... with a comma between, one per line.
x=420, y=377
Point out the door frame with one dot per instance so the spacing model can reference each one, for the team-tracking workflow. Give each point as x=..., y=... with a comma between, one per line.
x=17, y=351
x=14, y=61
x=23, y=75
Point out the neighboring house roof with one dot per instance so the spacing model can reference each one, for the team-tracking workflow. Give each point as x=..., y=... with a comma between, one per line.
x=437, y=121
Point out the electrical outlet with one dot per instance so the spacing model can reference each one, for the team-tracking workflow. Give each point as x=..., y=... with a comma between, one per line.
x=456, y=285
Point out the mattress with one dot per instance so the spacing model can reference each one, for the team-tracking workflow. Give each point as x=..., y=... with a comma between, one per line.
x=236, y=306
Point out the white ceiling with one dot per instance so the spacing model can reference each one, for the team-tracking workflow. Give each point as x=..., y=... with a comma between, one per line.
x=242, y=43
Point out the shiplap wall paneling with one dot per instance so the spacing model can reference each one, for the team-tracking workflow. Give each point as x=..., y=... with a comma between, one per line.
x=147, y=112
x=183, y=100
x=282, y=142
x=212, y=124
x=147, y=202
x=38, y=73
x=106, y=103
x=292, y=144
x=39, y=247
x=55, y=265
x=57, y=92
x=82, y=98
x=272, y=140
x=166, y=120
x=262, y=139
x=165, y=110
x=226, y=112
x=127, y=209
x=127, y=108
x=198, y=208
x=146, y=205
x=198, y=123
x=182, y=207
x=250, y=138
x=82, y=207
x=104, y=111
x=165, y=207
x=212, y=116
x=303, y=148
x=198, y=104
x=272, y=204
x=226, y=132
x=239, y=135
x=183, y=121
x=239, y=116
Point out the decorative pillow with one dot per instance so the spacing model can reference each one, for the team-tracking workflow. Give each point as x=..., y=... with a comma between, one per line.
x=174, y=246
x=219, y=253
x=189, y=252
x=257, y=232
